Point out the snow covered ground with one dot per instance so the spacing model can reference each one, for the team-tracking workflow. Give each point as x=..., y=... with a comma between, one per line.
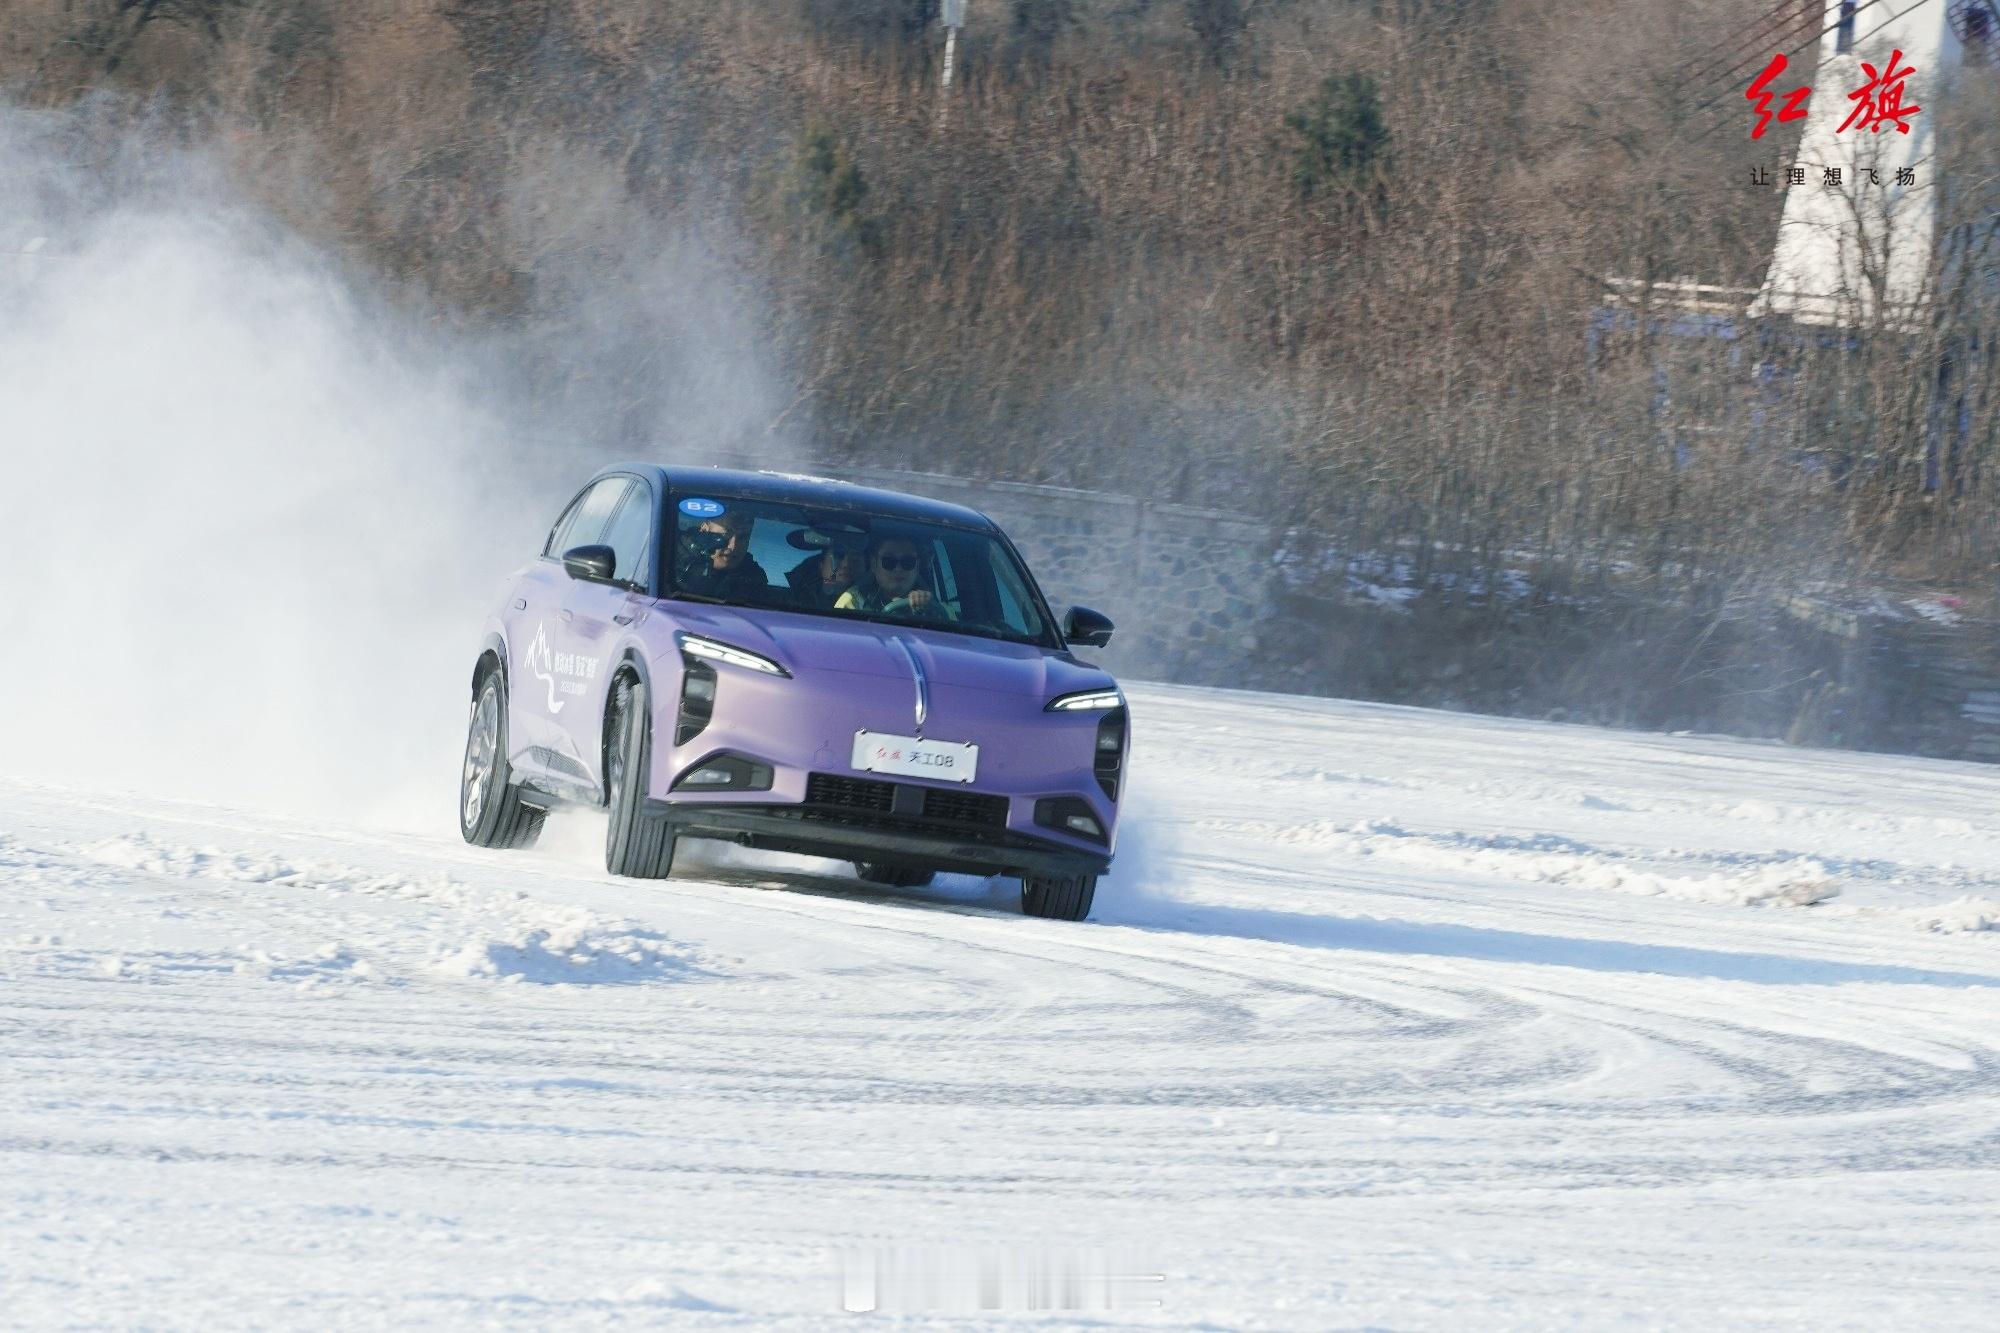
x=1389, y=1018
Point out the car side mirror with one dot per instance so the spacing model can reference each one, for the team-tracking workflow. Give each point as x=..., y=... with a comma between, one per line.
x=590, y=562
x=1086, y=628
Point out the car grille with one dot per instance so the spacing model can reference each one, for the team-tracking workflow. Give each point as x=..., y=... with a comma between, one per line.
x=850, y=793
x=902, y=806
x=965, y=807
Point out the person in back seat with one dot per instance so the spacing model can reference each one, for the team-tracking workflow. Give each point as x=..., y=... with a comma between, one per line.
x=818, y=581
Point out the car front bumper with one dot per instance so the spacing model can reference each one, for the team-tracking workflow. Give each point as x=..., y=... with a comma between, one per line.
x=847, y=836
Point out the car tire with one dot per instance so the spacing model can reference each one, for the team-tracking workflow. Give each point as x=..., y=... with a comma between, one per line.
x=491, y=812
x=1063, y=897
x=894, y=877
x=636, y=844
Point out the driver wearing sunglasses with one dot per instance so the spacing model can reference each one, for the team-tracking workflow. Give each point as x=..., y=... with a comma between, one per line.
x=889, y=584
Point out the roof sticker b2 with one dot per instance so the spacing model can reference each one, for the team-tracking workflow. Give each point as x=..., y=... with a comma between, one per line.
x=696, y=507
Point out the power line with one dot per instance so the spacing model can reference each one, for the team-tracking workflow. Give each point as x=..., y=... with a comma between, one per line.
x=1742, y=67
x=1859, y=9
x=1753, y=38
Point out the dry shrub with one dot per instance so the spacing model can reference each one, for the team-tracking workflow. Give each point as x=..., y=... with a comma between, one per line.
x=1091, y=264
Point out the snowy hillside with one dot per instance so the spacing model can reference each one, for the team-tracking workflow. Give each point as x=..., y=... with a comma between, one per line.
x=1387, y=1018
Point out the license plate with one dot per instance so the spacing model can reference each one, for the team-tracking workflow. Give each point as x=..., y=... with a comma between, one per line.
x=915, y=757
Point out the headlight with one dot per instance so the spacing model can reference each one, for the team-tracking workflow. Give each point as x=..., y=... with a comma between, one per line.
x=1088, y=701
x=723, y=652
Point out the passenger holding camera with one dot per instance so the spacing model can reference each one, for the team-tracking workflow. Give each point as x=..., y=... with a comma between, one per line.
x=716, y=561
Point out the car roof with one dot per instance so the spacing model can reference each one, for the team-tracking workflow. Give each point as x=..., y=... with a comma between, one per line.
x=809, y=491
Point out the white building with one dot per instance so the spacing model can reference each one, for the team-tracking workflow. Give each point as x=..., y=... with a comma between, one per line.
x=1861, y=253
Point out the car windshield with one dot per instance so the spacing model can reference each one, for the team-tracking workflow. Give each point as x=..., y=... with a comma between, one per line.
x=757, y=553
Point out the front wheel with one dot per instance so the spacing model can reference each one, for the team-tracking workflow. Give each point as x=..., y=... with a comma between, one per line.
x=635, y=843
x=490, y=810
x=1064, y=897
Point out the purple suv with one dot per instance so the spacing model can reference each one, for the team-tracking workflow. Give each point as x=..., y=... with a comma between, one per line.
x=800, y=665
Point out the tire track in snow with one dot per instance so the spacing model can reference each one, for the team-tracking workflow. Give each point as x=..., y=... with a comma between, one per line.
x=884, y=1049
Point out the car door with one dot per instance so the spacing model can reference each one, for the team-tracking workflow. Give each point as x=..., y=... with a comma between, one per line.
x=537, y=698
x=593, y=615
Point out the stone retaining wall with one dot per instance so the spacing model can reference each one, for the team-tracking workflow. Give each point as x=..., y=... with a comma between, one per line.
x=1954, y=686
x=1187, y=588
x=1930, y=687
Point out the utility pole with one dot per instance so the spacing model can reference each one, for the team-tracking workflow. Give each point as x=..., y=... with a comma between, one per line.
x=954, y=19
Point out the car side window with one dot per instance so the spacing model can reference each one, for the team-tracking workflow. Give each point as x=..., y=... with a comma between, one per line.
x=630, y=535
x=561, y=528
x=770, y=550
x=585, y=524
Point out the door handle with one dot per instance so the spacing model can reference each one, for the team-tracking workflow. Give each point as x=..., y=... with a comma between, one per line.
x=621, y=619
x=520, y=603
x=568, y=616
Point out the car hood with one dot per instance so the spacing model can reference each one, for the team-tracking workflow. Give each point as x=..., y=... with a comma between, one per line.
x=805, y=643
